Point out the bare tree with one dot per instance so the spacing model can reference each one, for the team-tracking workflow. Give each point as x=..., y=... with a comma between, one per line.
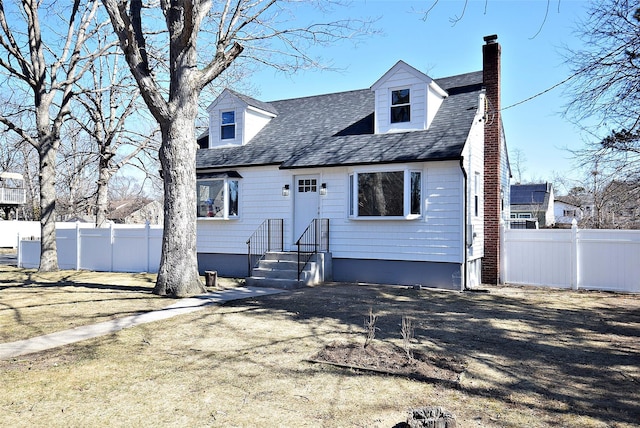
x=253, y=29
x=465, y=3
x=75, y=172
x=29, y=171
x=606, y=89
x=39, y=60
x=111, y=104
x=517, y=162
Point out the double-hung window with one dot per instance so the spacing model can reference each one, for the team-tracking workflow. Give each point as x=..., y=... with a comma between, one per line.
x=390, y=194
x=400, y=106
x=228, y=125
x=218, y=198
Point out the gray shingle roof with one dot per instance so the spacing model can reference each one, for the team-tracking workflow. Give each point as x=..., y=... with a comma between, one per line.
x=255, y=103
x=337, y=129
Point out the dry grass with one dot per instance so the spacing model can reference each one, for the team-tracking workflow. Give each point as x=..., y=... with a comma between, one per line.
x=33, y=304
x=536, y=358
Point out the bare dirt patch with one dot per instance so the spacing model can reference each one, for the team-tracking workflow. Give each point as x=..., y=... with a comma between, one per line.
x=392, y=360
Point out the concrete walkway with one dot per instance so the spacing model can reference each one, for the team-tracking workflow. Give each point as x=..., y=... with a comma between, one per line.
x=184, y=306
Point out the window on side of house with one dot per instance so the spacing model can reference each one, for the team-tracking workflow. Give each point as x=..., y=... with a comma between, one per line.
x=228, y=125
x=476, y=194
x=396, y=194
x=400, y=106
x=218, y=198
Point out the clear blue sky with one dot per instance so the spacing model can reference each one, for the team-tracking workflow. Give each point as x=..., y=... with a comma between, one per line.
x=529, y=64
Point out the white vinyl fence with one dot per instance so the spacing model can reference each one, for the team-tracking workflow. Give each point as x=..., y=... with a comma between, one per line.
x=576, y=258
x=118, y=248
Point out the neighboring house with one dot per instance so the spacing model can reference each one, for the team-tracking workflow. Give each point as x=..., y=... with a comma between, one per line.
x=396, y=170
x=136, y=211
x=532, y=202
x=12, y=194
x=615, y=205
x=565, y=211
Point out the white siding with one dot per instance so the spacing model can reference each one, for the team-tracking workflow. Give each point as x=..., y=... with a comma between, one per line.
x=560, y=208
x=260, y=198
x=418, y=100
x=473, y=155
x=249, y=120
x=505, y=180
x=424, y=99
x=225, y=102
x=436, y=236
x=434, y=101
x=254, y=121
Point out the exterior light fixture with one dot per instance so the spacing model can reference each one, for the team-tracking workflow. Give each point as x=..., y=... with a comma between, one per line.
x=323, y=189
x=285, y=190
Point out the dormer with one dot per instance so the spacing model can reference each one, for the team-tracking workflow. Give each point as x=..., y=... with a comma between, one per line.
x=406, y=100
x=234, y=119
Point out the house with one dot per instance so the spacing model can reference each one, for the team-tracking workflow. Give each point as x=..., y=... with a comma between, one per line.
x=532, y=202
x=136, y=211
x=565, y=211
x=12, y=194
x=403, y=182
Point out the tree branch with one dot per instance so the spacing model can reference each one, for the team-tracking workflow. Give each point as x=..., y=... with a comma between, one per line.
x=126, y=31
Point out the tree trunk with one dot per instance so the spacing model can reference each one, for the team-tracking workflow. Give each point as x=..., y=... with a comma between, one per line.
x=178, y=275
x=102, y=195
x=48, y=248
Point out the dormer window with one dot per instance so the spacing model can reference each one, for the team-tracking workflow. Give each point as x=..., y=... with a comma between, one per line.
x=228, y=125
x=400, y=106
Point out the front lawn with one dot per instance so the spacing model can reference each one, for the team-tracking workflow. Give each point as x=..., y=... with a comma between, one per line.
x=532, y=357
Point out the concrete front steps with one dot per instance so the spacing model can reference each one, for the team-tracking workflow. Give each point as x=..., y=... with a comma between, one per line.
x=280, y=270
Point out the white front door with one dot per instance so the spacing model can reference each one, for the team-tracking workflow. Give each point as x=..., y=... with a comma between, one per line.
x=306, y=202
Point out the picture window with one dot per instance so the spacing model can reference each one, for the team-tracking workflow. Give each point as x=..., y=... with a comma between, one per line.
x=385, y=194
x=218, y=198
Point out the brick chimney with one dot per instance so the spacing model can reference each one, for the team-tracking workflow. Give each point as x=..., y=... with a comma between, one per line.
x=492, y=160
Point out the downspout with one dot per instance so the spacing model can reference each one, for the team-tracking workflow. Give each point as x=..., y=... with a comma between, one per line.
x=465, y=251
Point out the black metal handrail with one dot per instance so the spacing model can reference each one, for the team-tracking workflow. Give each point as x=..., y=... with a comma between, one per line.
x=314, y=239
x=269, y=236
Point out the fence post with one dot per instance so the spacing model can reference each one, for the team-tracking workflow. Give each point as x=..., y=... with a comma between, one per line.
x=111, y=245
x=147, y=228
x=503, y=253
x=19, y=250
x=78, y=246
x=575, y=268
